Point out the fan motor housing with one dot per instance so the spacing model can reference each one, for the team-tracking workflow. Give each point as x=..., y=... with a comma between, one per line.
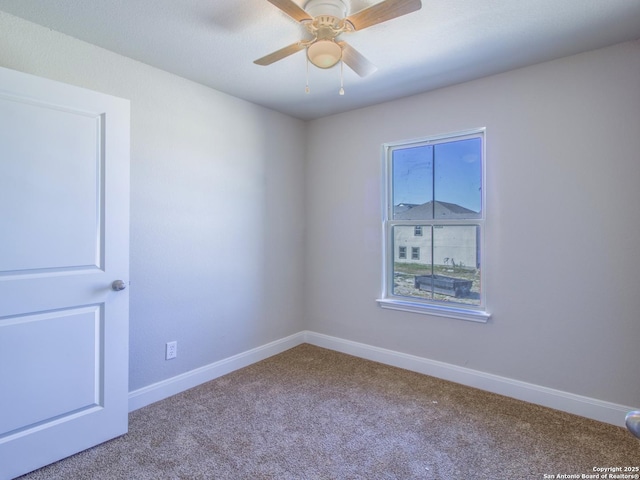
x=331, y=8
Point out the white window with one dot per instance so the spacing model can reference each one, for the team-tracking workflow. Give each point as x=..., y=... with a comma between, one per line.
x=435, y=186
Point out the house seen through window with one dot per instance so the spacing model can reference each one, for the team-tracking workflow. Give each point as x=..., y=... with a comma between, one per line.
x=433, y=223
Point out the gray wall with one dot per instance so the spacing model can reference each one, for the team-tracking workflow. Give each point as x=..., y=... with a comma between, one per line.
x=216, y=182
x=562, y=230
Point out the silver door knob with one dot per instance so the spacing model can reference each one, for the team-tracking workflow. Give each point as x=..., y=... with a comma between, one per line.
x=632, y=420
x=118, y=285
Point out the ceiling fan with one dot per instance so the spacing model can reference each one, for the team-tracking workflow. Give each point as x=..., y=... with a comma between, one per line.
x=326, y=20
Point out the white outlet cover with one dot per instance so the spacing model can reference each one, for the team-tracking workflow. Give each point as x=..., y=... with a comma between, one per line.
x=171, y=350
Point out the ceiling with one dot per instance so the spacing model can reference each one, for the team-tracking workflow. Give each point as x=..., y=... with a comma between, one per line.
x=214, y=42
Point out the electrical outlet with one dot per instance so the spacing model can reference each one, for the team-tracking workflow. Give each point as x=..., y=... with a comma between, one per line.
x=172, y=350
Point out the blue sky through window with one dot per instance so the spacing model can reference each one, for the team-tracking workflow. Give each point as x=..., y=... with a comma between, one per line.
x=457, y=179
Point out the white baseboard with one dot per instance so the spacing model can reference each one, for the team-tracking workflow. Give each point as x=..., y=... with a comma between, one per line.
x=171, y=386
x=567, y=402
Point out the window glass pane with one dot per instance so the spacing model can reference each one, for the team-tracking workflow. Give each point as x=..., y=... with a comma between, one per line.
x=458, y=179
x=406, y=267
x=454, y=274
x=456, y=255
x=412, y=174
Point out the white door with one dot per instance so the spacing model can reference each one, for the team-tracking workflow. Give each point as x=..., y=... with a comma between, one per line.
x=64, y=239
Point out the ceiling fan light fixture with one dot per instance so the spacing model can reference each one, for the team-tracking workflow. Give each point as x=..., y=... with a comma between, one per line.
x=324, y=53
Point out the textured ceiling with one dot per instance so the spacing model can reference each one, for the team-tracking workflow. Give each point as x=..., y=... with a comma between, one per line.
x=214, y=42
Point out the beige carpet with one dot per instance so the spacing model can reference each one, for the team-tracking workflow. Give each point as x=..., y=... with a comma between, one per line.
x=311, y=413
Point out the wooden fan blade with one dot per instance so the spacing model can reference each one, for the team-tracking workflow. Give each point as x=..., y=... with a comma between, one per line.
x=280, y=54
x=383, y=11
x=356, y=61
x=292, y=9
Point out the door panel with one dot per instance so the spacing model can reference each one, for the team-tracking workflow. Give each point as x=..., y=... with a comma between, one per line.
x=56, y=223
x=68, y=372
x=64, y=218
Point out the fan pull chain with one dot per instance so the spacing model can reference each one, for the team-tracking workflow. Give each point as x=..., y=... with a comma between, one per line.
x=341, y=91
x=306, y=89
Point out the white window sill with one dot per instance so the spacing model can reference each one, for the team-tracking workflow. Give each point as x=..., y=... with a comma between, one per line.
x=438, y=310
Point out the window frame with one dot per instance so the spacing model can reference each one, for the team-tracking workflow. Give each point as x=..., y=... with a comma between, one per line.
x=388, y=300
